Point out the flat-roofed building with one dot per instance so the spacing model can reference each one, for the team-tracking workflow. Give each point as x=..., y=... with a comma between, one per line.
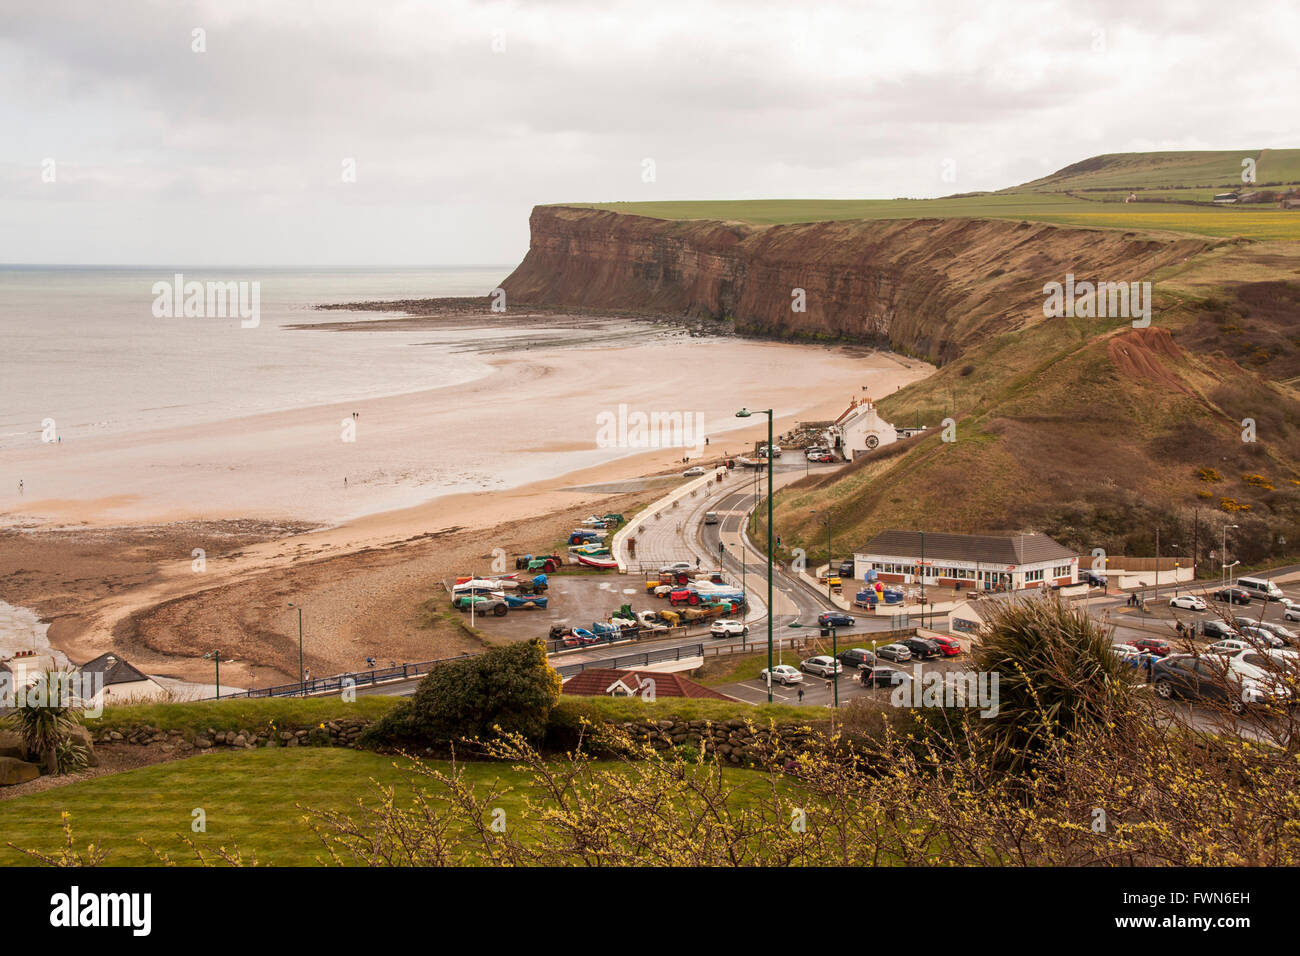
x=981, y=561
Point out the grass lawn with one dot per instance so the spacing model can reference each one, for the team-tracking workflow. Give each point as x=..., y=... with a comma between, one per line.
x=249, y=797
x=241, y=713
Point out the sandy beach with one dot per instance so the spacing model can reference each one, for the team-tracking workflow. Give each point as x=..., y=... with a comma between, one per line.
x=102, y=543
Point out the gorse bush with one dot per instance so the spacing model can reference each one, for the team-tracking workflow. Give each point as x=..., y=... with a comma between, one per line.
x=512, y=688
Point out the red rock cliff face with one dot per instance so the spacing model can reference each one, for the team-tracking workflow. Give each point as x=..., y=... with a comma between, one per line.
x=930, y=287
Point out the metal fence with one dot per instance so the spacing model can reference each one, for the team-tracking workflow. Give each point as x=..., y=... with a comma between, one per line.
x=336, y=684
x=635, y=660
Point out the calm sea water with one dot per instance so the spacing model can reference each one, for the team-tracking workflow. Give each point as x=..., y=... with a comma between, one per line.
x=81, y=346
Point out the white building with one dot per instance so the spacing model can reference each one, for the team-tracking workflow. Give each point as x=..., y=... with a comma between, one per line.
x=977, y=561
x=122, y=683
x=25, y=666
x=860, y=429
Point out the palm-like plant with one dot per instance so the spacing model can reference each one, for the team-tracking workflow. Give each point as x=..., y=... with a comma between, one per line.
x=45, y=722
x=1056, y=676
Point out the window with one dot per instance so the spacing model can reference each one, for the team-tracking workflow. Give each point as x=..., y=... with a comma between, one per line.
x=1061, y=571
x=1034, y=575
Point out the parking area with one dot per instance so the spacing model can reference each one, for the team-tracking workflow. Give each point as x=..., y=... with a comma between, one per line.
x=575, y=599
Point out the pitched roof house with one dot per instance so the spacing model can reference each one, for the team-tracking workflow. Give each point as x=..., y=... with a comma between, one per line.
x=605, y=682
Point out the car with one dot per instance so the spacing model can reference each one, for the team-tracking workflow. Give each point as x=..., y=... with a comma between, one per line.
x=825, y=666
x=1127, y=653
x=1217, y=630
x=1227, y=646
x=1095, y=580
x=763, y=451
x=1262, y=588
x=1188, y=602
x=693, y=472
x=1153, y=645
x=1292, y=613
x=1231, y=596
x=481, y=604
x=782, y=674
x=846, y=569
x=950, y=646
x=677, y=566
x=832, y=619
x=922, y=648
x=882, y=676
x=728, y=628
x=1284, y=634
x=894, y=652
x=856, y=657
x=1260, y=637
x=1185, y=676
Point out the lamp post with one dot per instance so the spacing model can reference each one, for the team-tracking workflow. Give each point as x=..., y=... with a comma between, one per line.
x=215, y=657
x=1223, y=555
x=826, y=520
x=835, y=656
x=746, y=413
x=301, y=688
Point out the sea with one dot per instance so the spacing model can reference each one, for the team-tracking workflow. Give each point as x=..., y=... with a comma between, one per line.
x=84, y=353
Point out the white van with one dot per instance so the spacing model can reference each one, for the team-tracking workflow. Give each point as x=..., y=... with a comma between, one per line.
x=710, y=517
x=1261, y=588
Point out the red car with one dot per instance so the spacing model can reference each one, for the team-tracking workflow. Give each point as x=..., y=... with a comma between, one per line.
x=950, y=646
x=1153, y=645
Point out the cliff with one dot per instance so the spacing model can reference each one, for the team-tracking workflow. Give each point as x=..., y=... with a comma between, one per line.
x=928, y=287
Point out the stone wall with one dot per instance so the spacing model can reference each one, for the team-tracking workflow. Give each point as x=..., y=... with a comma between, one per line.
x=333, y=733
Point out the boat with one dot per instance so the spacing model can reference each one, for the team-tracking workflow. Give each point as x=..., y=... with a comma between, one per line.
x=526, y=601
x=605, y=564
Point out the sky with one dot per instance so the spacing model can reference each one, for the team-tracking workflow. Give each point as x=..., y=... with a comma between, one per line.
x=393, y=132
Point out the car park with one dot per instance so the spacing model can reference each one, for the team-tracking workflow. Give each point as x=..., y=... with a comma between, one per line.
x=923, y=649
x=856, y=657
x=881, y=675
x=894, y=652
x=1188, y=602
x=728, y=628
x=782, y=674
x=833, y=619
x=1231, y=596
x=821, y=665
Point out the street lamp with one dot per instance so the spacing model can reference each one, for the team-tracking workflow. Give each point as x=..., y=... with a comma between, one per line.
x=215, y=657
x=301, y=688
x=826, y=520
x=746, y=413
x=1223, y=556
x=835, y=656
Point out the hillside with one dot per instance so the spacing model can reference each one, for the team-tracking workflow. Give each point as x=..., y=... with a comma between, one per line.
x=1060, y=421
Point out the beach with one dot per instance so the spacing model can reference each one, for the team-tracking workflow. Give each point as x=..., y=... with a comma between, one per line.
x=163, y=543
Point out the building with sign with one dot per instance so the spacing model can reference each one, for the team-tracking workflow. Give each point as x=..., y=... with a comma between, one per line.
x=979, y=561
x=859, y=430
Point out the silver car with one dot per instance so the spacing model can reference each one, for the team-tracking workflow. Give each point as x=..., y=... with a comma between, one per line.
x=825, y=666
x=894, y=652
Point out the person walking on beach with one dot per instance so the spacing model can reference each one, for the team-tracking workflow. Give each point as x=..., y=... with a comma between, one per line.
x=20, y=486
x=345, y=481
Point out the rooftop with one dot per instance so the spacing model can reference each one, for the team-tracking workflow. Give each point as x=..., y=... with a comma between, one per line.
x=600, y=682
x=984, y=548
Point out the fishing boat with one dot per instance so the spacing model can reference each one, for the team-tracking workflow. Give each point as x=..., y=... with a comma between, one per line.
x=531, y=601
x=605, y=564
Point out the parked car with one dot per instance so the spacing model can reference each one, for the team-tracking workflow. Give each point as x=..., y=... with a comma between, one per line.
x=922, y=648
x=482, y=604
x=1153, y=645
x=1188, y=602
x=1231, y=596
x=847, y=569
x=825, y=666
x=1227, y=646
x=1292, y=613
x=883, y=676
x=1185, y=676
x=1259, y=636
x=1283, y=634
x=1126, y=652
x=677, y=566
x=782, y=674
x=856, y=657
x=728, y=628
x=894, y=652
x=1094, y=579
x=835, y=619
x=1262, y=588
x=1217, y=630
x=693, y=472
x=950, y=646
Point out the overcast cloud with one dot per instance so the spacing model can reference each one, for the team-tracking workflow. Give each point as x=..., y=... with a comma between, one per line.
x=235, y=155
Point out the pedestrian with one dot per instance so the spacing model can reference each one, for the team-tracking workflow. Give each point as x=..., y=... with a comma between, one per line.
x=306, y=675
x=801, y=695
x=697, y=562
x=20, y=486
x=345, y=481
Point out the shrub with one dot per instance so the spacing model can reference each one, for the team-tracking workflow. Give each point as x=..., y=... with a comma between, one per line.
x=1056, y=676
x=511, y=689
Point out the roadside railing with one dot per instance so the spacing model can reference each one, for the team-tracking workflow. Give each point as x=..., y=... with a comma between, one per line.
x=337, y=683
x=624, y=662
